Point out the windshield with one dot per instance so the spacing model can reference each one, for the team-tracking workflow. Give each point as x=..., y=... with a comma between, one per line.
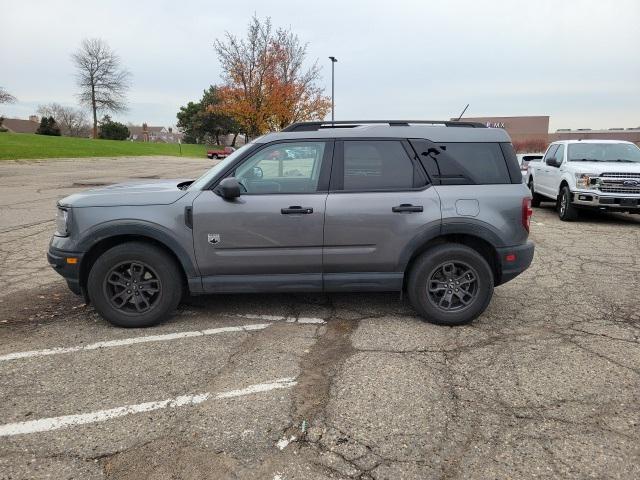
x=202, y=181
x=604, y=152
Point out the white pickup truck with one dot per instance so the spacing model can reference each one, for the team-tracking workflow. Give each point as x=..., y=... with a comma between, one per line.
x=587, y=174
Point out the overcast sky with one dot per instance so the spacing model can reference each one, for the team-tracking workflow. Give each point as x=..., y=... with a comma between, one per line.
x=577, y=61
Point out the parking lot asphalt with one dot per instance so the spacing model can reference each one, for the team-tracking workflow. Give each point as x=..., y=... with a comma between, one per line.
x=545, y=384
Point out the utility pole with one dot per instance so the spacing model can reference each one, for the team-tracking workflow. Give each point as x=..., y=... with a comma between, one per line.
x=333, y=62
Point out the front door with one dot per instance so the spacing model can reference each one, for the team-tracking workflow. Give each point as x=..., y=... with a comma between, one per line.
x=270, y=238
x=380, y=199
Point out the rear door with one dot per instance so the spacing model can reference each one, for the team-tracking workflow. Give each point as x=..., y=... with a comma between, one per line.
x=380, y=199
x=270, y=238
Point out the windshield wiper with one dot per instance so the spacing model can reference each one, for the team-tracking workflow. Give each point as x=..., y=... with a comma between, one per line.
x=624, y=160
x=584, y=160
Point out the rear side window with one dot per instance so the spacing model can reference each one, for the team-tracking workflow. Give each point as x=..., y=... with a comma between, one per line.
x=484, y=163
x=377, y=165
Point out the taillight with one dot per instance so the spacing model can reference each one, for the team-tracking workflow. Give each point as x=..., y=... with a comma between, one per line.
x=527, y=212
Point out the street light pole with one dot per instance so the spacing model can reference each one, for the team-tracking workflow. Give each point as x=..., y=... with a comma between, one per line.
x=333, y=61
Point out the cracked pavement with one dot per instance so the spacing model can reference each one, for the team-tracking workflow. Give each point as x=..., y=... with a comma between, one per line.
x=545, y=384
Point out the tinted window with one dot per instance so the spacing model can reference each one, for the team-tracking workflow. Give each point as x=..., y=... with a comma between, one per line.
x=283, y=168
x=484, y=162
x=377, y=165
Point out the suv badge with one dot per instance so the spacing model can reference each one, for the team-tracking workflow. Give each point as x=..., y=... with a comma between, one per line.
x=631, y=183
x=213, y=238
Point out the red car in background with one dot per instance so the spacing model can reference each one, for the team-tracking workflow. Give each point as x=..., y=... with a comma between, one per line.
x=221, y=152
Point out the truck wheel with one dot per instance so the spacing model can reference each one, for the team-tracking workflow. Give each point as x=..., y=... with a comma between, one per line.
x=566, y=210
x=450, y=284
x=215, y=156
x=134, y=285
x=536, y=197
x=210, y=156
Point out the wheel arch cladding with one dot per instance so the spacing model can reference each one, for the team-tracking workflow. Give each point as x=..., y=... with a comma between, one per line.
x=102, y=239
x=486, y=249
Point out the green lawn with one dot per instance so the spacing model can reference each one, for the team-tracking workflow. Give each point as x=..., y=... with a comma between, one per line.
x=22, y=145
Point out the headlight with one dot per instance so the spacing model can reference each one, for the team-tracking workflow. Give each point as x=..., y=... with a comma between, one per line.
x=586, y=180
x=62, y=222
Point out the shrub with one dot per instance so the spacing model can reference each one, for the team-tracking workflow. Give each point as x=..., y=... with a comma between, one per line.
x=530, y=146
x=110, y=130
x=48, y=126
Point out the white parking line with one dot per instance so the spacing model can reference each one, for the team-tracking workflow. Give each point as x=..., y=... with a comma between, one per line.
x=132, y=341
x=55, y=423
x=280, y=318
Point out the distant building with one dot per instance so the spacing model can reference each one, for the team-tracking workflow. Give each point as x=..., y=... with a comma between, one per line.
x=531, y=133
x=17, y=125
x=520, y=129
x=628, y=134
x=146, y=133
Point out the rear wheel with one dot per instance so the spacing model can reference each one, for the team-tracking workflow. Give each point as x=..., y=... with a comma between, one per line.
x=566, y=210
x=135, y=285
x=450, y=284
x=536, y=198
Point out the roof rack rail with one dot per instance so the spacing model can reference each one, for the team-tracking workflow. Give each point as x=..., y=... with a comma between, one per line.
x=318, y=125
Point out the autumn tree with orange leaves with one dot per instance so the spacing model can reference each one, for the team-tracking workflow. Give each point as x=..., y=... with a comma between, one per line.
x=266, y=86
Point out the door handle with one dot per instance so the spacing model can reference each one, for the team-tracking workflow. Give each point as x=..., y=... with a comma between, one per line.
x=295, y=209
x=407, y=207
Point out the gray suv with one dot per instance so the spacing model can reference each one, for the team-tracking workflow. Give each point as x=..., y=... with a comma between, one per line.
x=433, y=208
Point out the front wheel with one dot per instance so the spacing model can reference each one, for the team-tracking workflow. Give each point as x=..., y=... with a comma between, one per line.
x=450, y=284
x=135, y=284
x=566, y=210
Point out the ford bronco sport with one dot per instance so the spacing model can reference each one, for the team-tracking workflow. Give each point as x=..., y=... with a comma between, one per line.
x=433, y=208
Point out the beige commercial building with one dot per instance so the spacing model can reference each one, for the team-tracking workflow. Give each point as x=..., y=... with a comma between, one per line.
x=532, y=132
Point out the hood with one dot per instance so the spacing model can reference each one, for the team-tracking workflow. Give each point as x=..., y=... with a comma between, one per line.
x=601, y=167
x=154, y=192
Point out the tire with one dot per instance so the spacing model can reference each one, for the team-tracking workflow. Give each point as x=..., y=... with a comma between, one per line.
x=210, y=157
x=566, y=210
x=428, y=270
x=215, y=157
x=536, y=198
x=118, y=268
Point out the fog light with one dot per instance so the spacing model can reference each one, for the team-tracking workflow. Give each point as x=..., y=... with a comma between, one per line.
x=586, y=198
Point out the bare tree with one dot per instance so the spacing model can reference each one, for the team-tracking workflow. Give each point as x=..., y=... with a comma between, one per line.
x=6, y=97
x=102, y=81
x=72, y=121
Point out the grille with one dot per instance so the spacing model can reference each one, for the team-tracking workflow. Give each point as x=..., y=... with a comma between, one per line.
x=616, y=189
x=620, y=175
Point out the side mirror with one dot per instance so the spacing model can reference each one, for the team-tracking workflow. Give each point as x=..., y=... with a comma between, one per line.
x=553, y=162
x=229, y=188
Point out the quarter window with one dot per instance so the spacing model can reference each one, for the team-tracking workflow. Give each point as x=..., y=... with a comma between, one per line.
x=377, y=165
x=484, y=163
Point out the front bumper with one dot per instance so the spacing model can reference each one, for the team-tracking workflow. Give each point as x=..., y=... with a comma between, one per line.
x=514, y=261
x=606, y=201
x=60, y=262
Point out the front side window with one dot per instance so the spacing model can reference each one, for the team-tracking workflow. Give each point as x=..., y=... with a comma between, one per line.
x=282, y=168
x=560, y=154
x=550, y=152
x=604, y=152
x=377, y=165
